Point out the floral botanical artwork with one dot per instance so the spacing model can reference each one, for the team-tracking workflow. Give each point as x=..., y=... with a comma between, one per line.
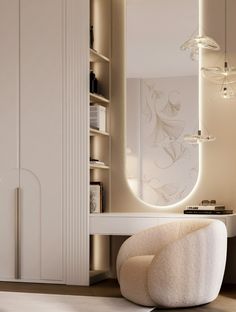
x=166, y=167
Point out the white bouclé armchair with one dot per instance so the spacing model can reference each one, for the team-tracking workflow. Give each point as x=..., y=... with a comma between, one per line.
x=177, y=264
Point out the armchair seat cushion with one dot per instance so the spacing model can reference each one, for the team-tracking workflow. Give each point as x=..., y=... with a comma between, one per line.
x=134, y=284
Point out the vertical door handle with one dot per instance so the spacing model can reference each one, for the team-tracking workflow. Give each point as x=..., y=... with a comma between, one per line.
x=17, y=235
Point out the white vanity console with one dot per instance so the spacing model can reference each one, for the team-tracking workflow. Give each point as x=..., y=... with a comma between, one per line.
x=130, y=223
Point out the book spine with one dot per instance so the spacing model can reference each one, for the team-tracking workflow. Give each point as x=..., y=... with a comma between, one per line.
x=213, y=212
x=202, y=208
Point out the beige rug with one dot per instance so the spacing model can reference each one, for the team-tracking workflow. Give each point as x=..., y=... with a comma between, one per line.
x=27, y=302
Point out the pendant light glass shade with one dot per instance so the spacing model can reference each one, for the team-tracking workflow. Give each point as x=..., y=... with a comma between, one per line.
x=198, y=138
x=225, y=75
x=226, y=91
x=199, y=42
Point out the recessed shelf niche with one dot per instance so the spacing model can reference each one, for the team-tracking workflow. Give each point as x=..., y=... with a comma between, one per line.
x=100, y=140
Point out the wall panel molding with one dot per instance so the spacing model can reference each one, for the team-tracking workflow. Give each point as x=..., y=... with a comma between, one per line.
x=75, y=141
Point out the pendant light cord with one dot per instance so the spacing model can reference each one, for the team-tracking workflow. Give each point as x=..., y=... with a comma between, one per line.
x=225, y=30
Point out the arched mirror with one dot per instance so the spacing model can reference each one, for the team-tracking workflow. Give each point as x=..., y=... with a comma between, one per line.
x=161, y=100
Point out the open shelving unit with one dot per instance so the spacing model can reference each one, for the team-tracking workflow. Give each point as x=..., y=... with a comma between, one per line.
x=97, y=98
x=98, y=275
x=98, y=132
x=96, y=57
x=100, y=141
x=94, y=166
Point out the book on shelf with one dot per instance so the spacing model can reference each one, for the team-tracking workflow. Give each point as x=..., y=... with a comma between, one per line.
x=96, y=197
x=205, y=207
x=98, y=117
x=209, y=212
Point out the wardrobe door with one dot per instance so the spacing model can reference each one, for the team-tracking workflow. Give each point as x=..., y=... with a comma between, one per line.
x=9, y=107
x=41, y=138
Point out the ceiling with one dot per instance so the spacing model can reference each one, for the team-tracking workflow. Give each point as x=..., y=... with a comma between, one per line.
x=155, y=30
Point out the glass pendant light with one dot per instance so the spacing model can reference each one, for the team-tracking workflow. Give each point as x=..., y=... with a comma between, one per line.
x=198, y=138
x=197, y=42
x=218, y=75
x=223, y=76
x=226, y=91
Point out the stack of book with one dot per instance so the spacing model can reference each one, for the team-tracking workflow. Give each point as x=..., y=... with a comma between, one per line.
x=208, y=209
x=98, y=117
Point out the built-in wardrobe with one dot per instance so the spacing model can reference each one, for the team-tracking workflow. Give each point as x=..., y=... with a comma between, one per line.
x=44, y=141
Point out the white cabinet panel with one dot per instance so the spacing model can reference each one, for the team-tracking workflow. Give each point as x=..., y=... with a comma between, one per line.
x=41, y=127
x=9, y=103
x=44, y=141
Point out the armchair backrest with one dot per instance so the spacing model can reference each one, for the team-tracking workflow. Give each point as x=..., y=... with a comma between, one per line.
x=152, y=240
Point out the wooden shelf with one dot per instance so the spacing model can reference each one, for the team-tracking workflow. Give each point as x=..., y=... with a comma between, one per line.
x=93, y=166
x=97, y=57
x=98, y=132
x=98, y=275
x=95, y=98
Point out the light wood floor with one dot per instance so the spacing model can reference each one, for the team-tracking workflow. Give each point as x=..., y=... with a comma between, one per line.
x=226, y=301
